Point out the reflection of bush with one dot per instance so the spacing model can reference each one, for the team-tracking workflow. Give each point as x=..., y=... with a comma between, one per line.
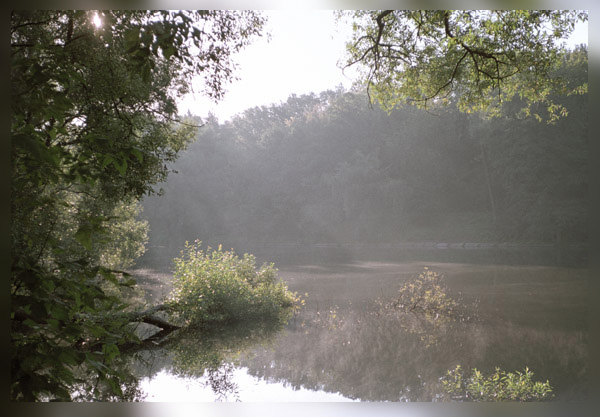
x=499, y=386
x=328, y=319
x=219, y=286
x=428, y=328
x=423, y=307
x=193, y=351
x=358, y=355
x=425, y=294
x=209, y=354
x=371, y=357
x=214, y=352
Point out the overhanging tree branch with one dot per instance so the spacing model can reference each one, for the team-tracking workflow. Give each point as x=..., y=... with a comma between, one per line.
x=426, y=46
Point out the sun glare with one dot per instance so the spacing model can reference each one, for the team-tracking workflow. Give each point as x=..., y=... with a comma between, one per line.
x=96, y=20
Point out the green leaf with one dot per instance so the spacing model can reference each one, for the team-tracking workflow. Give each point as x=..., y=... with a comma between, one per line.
x=109, y=275
x=128, y=283
x=54, y=323
x=138, y=154
x=108, y=159
x=84, y=237
x=169, y=52
x=111, y=351
x=69, y=357
x=146, y=72
x=132, y=37
x=115, y=385
x=122, y=167
x=31, y=323
x=97, y=365
x=58, y=312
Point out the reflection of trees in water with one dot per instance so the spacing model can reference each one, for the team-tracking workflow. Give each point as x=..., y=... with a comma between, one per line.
x=429, y=328
x=359, y=355
x=365, y=355
x=387, y=357
x=221, y=383
x=209, y=354
x=99, y=389
x=557, y=355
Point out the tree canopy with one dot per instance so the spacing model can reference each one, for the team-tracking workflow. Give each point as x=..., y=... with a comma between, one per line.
x=479, y=59
x=94, y=123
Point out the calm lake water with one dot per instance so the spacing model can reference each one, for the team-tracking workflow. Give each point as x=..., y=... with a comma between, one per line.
x=525, y=310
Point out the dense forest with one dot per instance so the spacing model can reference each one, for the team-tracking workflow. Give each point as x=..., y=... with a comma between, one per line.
x=327, y=168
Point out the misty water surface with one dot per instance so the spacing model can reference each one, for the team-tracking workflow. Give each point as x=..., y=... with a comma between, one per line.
x=528, y=310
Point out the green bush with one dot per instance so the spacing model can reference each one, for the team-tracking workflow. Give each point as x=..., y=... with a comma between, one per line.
x=219, y=286
x=426, y=294
x=500, y=386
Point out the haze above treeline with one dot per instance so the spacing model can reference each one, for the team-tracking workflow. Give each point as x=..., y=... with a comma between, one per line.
x=328, y=168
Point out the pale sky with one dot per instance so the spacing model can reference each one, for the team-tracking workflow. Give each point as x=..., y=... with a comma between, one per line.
x=301, y=57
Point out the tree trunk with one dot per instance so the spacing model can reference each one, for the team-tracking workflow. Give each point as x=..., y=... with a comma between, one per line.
x=147, y=316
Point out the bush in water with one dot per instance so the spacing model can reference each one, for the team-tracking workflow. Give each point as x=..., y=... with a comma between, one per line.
x=219, y=286
x=425, y=293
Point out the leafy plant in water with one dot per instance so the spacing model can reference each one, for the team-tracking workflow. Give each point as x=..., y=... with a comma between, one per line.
x=219, y=286
x=500, y=386
x=423, y=307
x=426, y=294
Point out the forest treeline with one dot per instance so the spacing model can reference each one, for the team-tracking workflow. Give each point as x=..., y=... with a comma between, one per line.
x=328, y=168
